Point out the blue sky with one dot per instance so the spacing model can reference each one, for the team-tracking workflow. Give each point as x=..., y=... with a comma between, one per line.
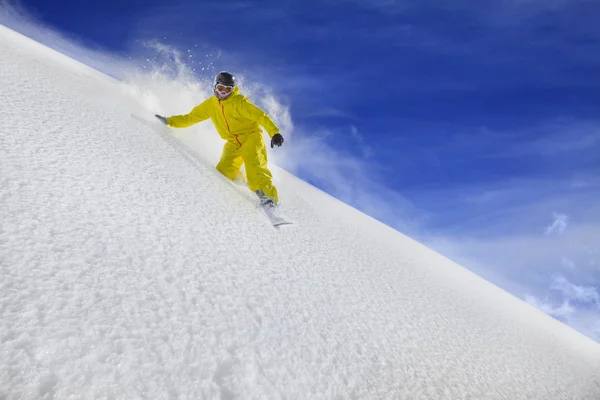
x=471, y=126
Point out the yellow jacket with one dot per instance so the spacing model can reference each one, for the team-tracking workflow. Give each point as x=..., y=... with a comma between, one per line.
x=234, y=116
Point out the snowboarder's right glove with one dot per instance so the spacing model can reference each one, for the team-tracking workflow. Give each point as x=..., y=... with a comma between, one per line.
x=162, y=119
x=276, y=140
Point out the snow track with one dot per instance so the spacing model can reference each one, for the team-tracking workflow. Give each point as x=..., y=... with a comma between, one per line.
x=131, y=269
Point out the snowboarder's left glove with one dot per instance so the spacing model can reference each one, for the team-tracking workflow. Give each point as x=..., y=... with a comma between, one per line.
x=162, y=119
x=276, y=140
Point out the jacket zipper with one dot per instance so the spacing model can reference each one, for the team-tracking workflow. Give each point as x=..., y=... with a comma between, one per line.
x=227, y=123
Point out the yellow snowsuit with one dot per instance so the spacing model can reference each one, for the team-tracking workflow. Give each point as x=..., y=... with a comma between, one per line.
x=238, y=121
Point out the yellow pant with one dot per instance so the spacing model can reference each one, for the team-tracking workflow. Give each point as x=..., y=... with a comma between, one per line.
x=252, y=152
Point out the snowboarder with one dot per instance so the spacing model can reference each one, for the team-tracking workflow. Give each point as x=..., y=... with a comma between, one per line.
x=237, y=121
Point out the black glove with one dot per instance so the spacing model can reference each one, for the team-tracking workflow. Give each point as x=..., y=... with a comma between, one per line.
x=162, y=119
x=276, y=140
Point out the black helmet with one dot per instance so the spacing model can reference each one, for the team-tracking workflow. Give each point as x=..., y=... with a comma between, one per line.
x=224, y=78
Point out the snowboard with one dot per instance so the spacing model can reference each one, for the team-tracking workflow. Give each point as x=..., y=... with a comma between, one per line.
x=275, y=216
x=273, y=213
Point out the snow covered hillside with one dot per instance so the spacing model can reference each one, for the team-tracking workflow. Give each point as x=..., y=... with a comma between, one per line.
x=131, y=269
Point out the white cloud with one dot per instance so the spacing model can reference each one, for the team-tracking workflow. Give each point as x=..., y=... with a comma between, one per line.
x=559, y=224
x=367, y=151
x=583, y=294
x=355, y=134
x=564, y=311
x=583, y=320
x=557, y=138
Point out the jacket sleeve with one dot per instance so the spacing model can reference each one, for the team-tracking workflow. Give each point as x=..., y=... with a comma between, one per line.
x=198, y=114
x=253, y=113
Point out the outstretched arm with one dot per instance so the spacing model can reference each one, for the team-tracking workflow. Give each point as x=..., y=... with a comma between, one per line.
x=198, y=114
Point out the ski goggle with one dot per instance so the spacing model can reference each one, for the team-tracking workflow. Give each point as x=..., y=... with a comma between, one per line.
x=223, y=89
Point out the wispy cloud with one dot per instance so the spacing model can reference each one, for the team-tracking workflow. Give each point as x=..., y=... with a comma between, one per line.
x=367, y=150
x=563, y=311
x=559, y=224
x=578, y=293
x=543, y=41
x=354, y=180
x=562, y=138
x=576, y=305
x=545, y=141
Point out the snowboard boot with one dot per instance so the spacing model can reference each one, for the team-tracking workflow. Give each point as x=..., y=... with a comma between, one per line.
x=264, y=200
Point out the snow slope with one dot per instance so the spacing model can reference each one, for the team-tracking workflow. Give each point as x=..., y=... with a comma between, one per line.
x=130, y=269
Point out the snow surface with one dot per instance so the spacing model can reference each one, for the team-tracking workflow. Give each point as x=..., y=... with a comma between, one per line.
x=131, y=269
